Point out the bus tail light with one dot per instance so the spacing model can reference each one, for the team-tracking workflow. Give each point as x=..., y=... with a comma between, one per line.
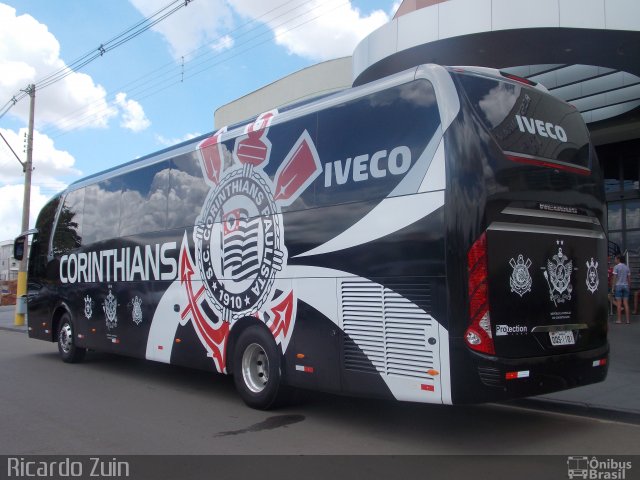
x=478, y=335
x=518, y=79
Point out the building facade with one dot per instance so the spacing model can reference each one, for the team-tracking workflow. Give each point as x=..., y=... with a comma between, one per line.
x=9, y=266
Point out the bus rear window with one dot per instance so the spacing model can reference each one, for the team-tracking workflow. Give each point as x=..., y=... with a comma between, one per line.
x=529, y=125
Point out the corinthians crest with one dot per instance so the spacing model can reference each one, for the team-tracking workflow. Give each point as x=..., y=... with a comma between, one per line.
x=592, y=276
x=558, y=276
x=520, y=280
x=110, y=307
x=239, y=235
x=136, y=313
x=88, y=307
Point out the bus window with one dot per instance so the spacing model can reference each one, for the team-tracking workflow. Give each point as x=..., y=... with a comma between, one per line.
x=101, y=218
x=143, y=203
x=39, y=252
x=68, y=234
x=187, y=191
x=367, y=160
x=530, y=126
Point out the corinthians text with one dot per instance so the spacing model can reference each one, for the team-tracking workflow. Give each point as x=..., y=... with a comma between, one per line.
x=126, y=264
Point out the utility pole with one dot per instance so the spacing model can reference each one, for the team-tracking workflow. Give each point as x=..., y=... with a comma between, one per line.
x=28, y=167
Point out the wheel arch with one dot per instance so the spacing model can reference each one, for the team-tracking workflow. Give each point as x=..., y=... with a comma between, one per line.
x=59, y=310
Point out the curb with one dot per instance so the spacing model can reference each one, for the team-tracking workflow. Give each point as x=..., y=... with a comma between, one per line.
x=13, y=329
x=579, y=409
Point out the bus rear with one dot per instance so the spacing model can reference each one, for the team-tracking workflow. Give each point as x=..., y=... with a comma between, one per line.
x=526, y=244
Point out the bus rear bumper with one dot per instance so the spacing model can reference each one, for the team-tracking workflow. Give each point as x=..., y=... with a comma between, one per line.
x=497, y=379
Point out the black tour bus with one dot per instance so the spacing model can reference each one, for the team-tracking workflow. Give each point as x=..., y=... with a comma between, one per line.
x=435, y=236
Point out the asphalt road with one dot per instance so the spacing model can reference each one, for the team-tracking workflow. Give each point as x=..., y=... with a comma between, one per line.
x=113, y=406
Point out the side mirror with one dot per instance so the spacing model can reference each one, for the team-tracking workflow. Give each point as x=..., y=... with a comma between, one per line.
x=21, y=242
x=18, y=247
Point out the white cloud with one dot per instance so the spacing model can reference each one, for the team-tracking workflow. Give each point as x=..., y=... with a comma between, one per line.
x=199, y=23
x=133, y=116
x=224, y=43
x=314, y=29
x=169, y=142
x=11, y=209
x=28, y=53
x=497, y=104
x=50, y=164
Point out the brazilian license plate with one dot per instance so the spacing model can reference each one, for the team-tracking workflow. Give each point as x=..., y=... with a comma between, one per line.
x=563, y=337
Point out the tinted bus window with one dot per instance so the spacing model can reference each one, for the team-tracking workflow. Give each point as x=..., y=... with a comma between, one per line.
x=101, y=218
x=40, y=243
x=68, y=234
x=187, y=191
x=144, y=199
x=527, y=121
x=368, y=144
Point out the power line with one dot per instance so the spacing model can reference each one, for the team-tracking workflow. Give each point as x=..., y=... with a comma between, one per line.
x=12, y=151
x=98, y=52
x=107, y=47
x=161, y=75
x=279, y=34
x=166, y=83
x=169, y=79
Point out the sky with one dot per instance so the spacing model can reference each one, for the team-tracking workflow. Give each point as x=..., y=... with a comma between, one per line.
x=159, y=88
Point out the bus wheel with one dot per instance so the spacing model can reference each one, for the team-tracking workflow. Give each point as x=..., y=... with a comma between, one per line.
x=257, y=370
x=69, y=352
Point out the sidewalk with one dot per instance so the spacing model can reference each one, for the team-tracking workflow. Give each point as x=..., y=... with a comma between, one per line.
x=619, y=392
x=7, y=316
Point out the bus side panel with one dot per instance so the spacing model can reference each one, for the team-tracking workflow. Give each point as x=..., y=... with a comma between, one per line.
x=465, y=207
x=408, y=262
x=364, y=221
x=312, y=359
x=112, y=308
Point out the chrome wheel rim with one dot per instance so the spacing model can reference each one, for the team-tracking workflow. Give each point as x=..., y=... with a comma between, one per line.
x=255, y=368
x=66, y=338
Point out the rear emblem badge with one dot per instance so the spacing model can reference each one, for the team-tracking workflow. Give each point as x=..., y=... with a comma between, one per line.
x=592, y=276
x=558, y=276
x=520, y=280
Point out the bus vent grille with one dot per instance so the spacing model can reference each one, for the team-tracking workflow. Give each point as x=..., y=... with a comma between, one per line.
x=418, y=293
x=386, y=333
x=490, y=376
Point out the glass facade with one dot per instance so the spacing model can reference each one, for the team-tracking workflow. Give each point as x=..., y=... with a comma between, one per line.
x=621, y=166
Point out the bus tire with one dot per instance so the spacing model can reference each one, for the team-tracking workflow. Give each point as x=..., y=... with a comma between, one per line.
x=69, y=351
x=257, y=371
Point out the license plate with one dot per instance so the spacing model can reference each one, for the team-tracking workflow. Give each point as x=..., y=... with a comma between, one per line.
x=563, y=337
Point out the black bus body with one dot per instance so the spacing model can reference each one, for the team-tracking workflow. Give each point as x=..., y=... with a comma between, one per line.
x=435, y=236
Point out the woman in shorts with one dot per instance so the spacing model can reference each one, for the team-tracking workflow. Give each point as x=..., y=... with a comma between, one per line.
x=620, y=287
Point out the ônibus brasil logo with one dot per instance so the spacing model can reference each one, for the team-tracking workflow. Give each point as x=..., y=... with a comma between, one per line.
x=239, y=235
